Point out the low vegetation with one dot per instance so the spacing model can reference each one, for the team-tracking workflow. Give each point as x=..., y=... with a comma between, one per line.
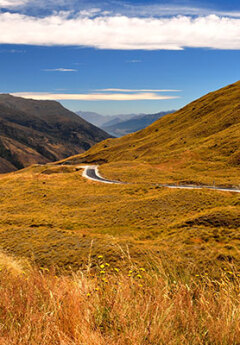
x=52, y=215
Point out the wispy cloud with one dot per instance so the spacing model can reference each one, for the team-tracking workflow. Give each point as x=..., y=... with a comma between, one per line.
x=137, y=90
x=133, y=61
x=92, y=12
x=122, y=32
x=12, y=3
x=94, y=96
x=13, y=51
x=90, y=9
x=60, y=70
x=160, y=10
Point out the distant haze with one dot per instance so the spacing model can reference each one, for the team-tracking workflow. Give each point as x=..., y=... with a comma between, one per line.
x=122, y=124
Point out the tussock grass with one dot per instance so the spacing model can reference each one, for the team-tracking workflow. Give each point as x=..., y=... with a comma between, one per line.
x=109, y=306
x=53, y=218
x=13, y=265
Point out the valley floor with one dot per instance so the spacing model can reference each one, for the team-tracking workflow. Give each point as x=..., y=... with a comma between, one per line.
x=54, y=216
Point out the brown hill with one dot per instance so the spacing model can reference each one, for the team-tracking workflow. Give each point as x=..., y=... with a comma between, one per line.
x=203, y=135
x=41, y=131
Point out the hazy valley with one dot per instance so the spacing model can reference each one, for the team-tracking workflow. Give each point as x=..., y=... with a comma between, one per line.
x=120, y=125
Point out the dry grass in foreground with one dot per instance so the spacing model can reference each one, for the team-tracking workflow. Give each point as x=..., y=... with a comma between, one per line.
x=141, y=306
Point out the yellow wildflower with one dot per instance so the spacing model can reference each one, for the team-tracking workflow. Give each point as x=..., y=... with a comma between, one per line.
x=104, y=280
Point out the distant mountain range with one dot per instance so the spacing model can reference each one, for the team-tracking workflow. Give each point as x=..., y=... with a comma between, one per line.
x=122, y=124
x=133, y=125
x=94, y=118
x=41, y=131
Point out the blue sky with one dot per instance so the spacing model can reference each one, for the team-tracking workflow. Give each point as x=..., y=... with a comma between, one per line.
x=117, y=57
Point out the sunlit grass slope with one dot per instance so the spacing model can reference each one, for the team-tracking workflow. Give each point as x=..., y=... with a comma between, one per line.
x=199, y=143
x=53, y=216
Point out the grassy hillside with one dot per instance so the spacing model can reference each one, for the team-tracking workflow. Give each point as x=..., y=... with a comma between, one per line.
x=41, y=131
x=54, y=216
x=199, y=143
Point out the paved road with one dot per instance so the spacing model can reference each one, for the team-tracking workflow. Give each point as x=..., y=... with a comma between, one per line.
x=203, y=187
x=91, y=172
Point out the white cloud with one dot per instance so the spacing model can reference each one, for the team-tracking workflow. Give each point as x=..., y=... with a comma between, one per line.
x=12, y=3
x=60, y=70
x=93, y=97
x=138, y=90
x=121, y=32
x=90, y=12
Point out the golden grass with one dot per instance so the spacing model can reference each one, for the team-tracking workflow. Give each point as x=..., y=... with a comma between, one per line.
x=116, y=264
x=108, y=306
x=136, y=172
x=54, y=216
x=13, y=265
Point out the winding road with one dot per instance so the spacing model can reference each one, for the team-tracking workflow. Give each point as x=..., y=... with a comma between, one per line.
x=91, y=172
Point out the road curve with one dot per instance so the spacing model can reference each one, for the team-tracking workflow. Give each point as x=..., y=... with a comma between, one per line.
x=91, y=172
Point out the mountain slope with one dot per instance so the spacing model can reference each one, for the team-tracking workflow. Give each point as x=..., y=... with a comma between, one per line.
x=94, y=118
x=41, y=131
x=133, y=125
x=203, y=135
